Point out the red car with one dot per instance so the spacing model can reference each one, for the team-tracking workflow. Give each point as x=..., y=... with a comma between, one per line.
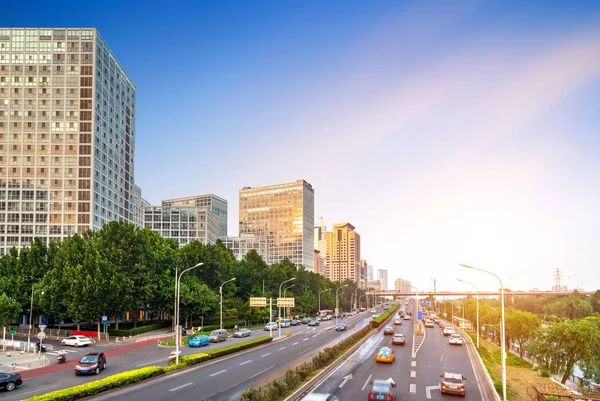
x=92, y=362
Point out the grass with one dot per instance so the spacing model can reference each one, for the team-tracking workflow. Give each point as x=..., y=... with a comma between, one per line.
x=520, y=374
x=184, y=340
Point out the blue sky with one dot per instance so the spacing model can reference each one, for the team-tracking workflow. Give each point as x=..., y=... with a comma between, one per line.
x=458, y=132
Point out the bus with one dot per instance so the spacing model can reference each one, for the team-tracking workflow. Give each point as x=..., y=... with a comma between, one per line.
x=325, y=312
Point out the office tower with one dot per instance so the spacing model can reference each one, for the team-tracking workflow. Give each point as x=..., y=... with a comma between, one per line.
x=243, y=244
x=402, y=285
x=321, y=245
x=184, y=223
x=216, y=205
x=284, y=214
x=376, y=285
x=382, y=275
x=369, y=272
x=319, y=263
x=364, y=267
x=67, y=135
x=343, y=253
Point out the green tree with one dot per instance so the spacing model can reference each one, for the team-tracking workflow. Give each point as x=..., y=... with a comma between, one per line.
x=520, y=327
x=306, y=302
x=9, y=311
x=595, y=301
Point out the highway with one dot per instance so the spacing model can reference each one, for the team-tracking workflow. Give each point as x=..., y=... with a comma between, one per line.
x=416, y=375
x=225, y=378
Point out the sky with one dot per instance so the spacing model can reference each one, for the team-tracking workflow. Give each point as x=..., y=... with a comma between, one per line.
x=445, y=132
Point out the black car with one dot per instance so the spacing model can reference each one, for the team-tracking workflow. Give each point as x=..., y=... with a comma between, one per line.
x=313, y=322
x=382, y=390
x=92, y=362
x=306, y=320
x=340, y=327
x=295, y=322
x=8, y=382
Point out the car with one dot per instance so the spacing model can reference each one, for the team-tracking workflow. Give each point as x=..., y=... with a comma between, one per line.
x=453, y=383
x=385, y=355
x=409, y=312
x=373, y=311
x=406, y=317
x=320, y=397
x=399, y=339
x=328, y=317
x=319, y=318
x=92, y=362
x=295, y=322
x=313, y=322
x=448, y=330
x=398, y=322
x=455, y=339
x=271, y=326
x=340, y=327
x=199, y=341
x=77, y=341
x=9, y=381
x=382, y=390
x=388, y=330
x=429, y=323
x=242, y=333
x=306, y=320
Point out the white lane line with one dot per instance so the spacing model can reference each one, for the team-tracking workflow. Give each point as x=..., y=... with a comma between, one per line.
x=218, y=373
x=35, y=391
x=281, y=348
x=367, y=382
x=306, y=339
x=268, y=353
x=413, y=388
x=314, y=336
x=180, y=387
x=442, y=358
x=149, y=363
x=297, y=342
x=413, y=363
x=413, y=373
x=243, y=363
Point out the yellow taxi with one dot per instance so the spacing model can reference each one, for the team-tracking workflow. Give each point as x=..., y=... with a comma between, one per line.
x=385, y=355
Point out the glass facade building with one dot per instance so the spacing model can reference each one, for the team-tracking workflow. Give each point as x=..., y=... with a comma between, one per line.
x=217, y=206
x=67, y=136
x=184, y=223
x=243, y=244
x=284, y=215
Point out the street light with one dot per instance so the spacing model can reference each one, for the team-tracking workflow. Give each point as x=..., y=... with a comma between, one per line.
x=477, y=302
x=177, y=331
x=31, y=317
x=502, y=333
x=356, y=296
x=329, y=289
x=279, y=309
x=337, y=303
x=287, y=288
x=221, y=292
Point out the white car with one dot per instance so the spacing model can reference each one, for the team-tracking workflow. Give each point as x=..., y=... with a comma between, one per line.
x=271, y=326
x=373, y=311
x=448, y=331
x=77, y=341
x=456, y=339
x=407, y=317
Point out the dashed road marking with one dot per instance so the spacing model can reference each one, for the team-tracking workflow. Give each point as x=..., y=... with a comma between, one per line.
x=218, y=373
x=180, y=387
x=245, y=362
x=413, y=373
x=442, y=358
x=367, y=382
x=413, y=363
x=281, y=348
x=297, y=342
x=306, y=339
x=268, y=353
x=413, y=388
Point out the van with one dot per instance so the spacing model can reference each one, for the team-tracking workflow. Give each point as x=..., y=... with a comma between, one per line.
x=216, y=336
x=285, y=323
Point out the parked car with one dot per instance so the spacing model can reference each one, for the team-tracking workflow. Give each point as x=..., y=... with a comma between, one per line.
x=242, y=333
x=198, y=341
x=448, y=330
x=340, y=327
x=453, y=383
x=398, y=322
x=271, y=326
x=455, y=339
x=388, y=330
x=382, y=390
x=92, y=362
x=385, y=355
x=295, y=322
x=77, y=341
x=398, y=339
x=306, y=320
x=9, y=381
x=313, y=322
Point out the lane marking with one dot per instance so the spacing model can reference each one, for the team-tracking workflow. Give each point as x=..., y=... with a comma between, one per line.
x=306, y=339
x=367, y=382
x=281, y=348
x=180, y=387
x=218, y=373
x=413, y=388
x=268, y=353
x=413, y=363
x=260, y=373
x=442, y=358
x=314, y=336
x=413, y=373
x=429, y=388
x=297, y=342
x=149, y=363
x=243, y=363
x=35, y=391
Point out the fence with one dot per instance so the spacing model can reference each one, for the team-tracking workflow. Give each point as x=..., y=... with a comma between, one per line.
x=544, y=394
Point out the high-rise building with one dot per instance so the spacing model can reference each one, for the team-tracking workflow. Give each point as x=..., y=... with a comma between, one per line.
x=67, y=135
x=243, y=244
x=217, y=206
x=284, y=214
x=369, y=272
x=184, y=223
x=364, y=268
x=319, y=263
x=321, y=245
x=376, y=285
x=402, y=285
x=343, y=253
x=383, y=275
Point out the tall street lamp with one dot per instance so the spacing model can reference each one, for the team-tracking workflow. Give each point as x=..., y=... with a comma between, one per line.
x=329, y=289
x=279, y=309
x=221, y=292
x=477, y=303
x=177, y=331
x=356, y=296
x=31, y=316
x=502, y=333
x=287, y=288
x=337, y=303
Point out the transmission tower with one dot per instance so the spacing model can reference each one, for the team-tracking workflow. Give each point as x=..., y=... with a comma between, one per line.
x=557, y=277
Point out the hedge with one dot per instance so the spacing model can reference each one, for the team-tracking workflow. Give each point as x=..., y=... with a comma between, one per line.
x=139, y=330
x=377, y=321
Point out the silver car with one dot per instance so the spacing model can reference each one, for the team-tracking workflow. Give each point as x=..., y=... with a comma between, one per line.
x=242, y=333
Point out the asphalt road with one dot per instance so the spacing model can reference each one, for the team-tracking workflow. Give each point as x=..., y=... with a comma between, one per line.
x=226, y=378
x=417, y=378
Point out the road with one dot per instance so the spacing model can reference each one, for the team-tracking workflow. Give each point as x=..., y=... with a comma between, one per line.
x=416, y=375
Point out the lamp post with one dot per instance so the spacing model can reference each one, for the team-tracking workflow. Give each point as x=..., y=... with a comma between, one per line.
x=337, y=303
x=502, y=333
x=359, y=298
x=177, y=331
x=329, y=289
x=287, y=288
x=221, y=292
x=279, y=309
x=356, y=297
x=477, y=303
x=31, y=318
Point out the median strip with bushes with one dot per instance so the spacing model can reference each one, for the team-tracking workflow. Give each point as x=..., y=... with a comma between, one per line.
x=379, y=320
x=124, y=379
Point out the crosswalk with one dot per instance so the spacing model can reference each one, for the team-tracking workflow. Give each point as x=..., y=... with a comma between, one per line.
x=54, y=351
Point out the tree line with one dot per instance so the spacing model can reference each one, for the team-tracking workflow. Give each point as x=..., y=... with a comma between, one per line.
x=121, y=268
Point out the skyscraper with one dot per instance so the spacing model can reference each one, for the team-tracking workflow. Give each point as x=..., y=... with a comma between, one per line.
x=284, y=214
x=343, y=253
x=184, y=223
x=67, y=136
x=383, y=275
x=215, y=204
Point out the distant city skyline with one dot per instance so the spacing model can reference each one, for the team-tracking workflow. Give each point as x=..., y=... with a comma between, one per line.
x=445, y=134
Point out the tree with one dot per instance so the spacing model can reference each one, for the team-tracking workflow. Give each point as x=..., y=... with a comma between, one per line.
x=571, y=307
x=306, y=302
x=595, y=301
x=520, y=327
x=9, y=311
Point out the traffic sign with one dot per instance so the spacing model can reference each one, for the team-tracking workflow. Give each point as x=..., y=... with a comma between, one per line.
x=285, y=303
x=420, y=315
x=44, y=320
x=12, y=332
x=42, y=326
x=258, y=301
x=106, y=324
x=41, y=335
x=104, y=319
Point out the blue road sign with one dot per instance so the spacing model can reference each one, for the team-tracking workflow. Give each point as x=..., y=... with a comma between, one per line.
x=420, y=315
x=44, y=320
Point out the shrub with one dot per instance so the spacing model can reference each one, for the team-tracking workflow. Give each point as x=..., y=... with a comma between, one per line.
x=139, y=330
x=545, y=372
x=379, y=320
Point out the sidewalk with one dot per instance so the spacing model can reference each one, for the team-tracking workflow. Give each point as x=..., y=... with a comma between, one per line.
x=18, y=362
